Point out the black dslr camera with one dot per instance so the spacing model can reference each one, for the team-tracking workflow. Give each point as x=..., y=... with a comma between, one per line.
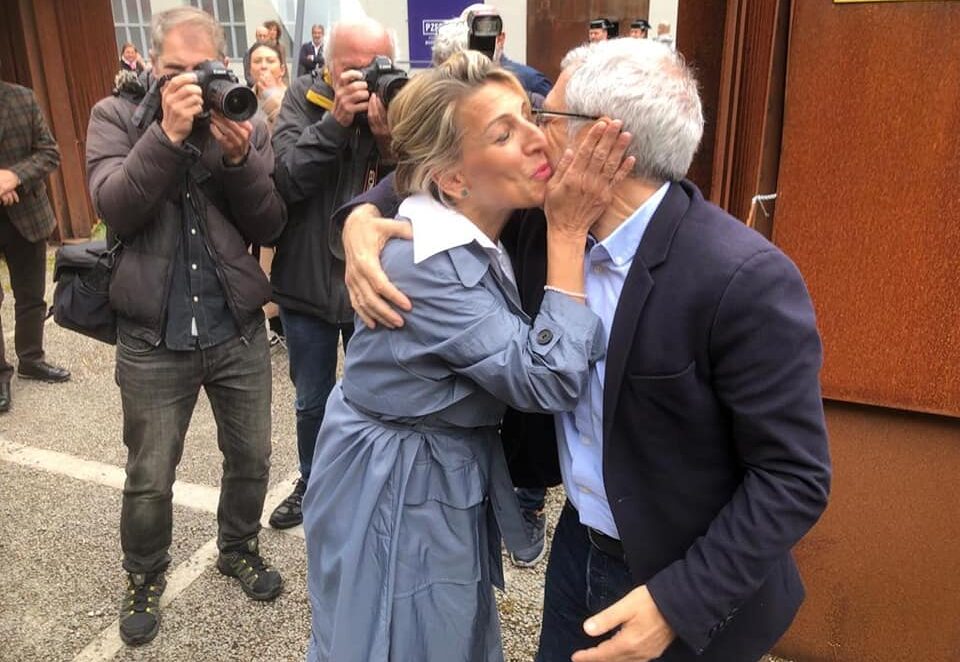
x=222, y=92
x=384, y=79
x=484, y=26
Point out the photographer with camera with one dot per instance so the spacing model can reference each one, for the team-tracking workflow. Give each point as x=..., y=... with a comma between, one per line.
x=332, y=143
x=184, y=180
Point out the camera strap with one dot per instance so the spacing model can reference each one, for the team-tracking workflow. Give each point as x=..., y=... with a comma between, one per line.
x=317, y=95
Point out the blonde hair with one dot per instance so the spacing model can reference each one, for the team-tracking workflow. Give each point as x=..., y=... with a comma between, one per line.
x=426, y=136
x=166, y=21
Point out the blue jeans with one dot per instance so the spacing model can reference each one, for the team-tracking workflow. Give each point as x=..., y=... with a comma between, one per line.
x=581, y=581
x=312, y=348
x=159, y=389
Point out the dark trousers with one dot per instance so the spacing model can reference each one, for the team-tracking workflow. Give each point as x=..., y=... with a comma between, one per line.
x=312, y=348
x=27, y=263
x=581, y=581
x=159, y=388
x=531, y=498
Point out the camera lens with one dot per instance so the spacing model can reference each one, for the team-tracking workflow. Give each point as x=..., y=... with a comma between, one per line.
x=236, y=102
x=390, y=86
x=239, y=104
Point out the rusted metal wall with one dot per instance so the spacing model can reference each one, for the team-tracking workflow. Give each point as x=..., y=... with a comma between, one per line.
x=750, y=109
x=869, y=208
x=869, y=204
x=556, y=26
x=882, y=567
x=64, y=51
x=700, y=38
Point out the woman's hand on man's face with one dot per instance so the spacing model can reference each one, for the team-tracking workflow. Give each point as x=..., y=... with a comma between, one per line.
x=582, y=185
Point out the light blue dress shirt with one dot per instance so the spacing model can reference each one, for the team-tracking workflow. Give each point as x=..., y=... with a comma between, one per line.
x=580, y=432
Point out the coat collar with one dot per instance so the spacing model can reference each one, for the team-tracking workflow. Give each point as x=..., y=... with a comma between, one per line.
x=438, y=229
x=652, y=252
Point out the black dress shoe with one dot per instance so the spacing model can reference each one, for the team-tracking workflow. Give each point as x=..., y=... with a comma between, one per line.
x=43, y=371
x=4, y=397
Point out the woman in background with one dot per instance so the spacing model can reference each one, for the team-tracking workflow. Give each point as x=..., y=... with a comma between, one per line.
x=130, y=59
x=267, y=68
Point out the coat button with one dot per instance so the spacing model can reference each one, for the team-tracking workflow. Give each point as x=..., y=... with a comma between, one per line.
x=545, y=336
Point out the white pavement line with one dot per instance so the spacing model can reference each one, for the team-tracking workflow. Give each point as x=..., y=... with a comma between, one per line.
x=191, y=495
x=108, y=643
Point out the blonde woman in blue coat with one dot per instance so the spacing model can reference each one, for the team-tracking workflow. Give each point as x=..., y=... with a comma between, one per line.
x=409, y=493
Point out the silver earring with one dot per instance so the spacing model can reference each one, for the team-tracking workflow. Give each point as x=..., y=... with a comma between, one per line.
x=464, y=193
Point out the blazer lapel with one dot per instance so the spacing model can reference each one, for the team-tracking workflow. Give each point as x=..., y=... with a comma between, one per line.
x=652, y=251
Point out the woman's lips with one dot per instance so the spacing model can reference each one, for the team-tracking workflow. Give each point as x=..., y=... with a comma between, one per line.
x=543, y=173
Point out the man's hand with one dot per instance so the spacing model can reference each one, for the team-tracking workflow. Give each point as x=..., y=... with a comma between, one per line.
x=8, y=181
x=234, y=137
x=350, y=96
x=582, y=186
x=377, y=119
x=182, y=101
x=644, y=632
x=371, y=293
x=9, y=198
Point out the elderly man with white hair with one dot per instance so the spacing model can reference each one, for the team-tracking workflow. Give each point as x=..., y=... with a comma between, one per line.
x=332, y=143
x=699, y=456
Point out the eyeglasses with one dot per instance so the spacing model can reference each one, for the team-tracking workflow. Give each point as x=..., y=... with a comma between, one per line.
x=541, y=116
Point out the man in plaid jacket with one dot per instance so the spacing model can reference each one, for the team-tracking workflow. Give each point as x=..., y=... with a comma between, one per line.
x=27, y=154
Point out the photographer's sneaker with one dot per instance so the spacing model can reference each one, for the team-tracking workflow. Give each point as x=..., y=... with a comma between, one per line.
x=140, y=609
x=288, y=514
x=530, y=556
x=257, y=579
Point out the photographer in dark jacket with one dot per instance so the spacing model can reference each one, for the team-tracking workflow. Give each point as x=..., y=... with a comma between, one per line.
x=332, y=143
x=185, y=195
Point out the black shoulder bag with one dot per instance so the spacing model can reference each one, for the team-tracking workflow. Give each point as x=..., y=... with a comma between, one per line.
x=81, y=299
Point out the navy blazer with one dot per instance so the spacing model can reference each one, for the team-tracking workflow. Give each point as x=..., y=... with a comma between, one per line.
x=715, y=447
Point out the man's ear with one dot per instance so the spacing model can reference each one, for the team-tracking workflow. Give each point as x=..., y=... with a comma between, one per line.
x=502, y=37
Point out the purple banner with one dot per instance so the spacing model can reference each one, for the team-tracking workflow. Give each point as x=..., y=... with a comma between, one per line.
x=423, y=19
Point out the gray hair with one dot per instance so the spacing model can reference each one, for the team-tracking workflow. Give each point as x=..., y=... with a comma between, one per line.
x=330, y=39
x=165, y=21
x=651, y=90
x=452, y=37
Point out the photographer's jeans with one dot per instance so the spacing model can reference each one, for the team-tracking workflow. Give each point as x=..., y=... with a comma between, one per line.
x=312, y=349
x=159, y=389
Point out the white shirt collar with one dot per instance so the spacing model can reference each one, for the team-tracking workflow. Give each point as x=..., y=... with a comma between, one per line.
x=437, y=228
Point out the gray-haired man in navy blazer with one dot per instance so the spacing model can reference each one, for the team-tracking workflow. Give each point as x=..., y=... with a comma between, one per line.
x=699, y=457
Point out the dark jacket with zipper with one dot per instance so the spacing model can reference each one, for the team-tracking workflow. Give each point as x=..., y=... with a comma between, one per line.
x=320, y=166
x=136, y=182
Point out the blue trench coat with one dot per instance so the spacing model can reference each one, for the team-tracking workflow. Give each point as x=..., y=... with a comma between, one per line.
x=409, y=491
